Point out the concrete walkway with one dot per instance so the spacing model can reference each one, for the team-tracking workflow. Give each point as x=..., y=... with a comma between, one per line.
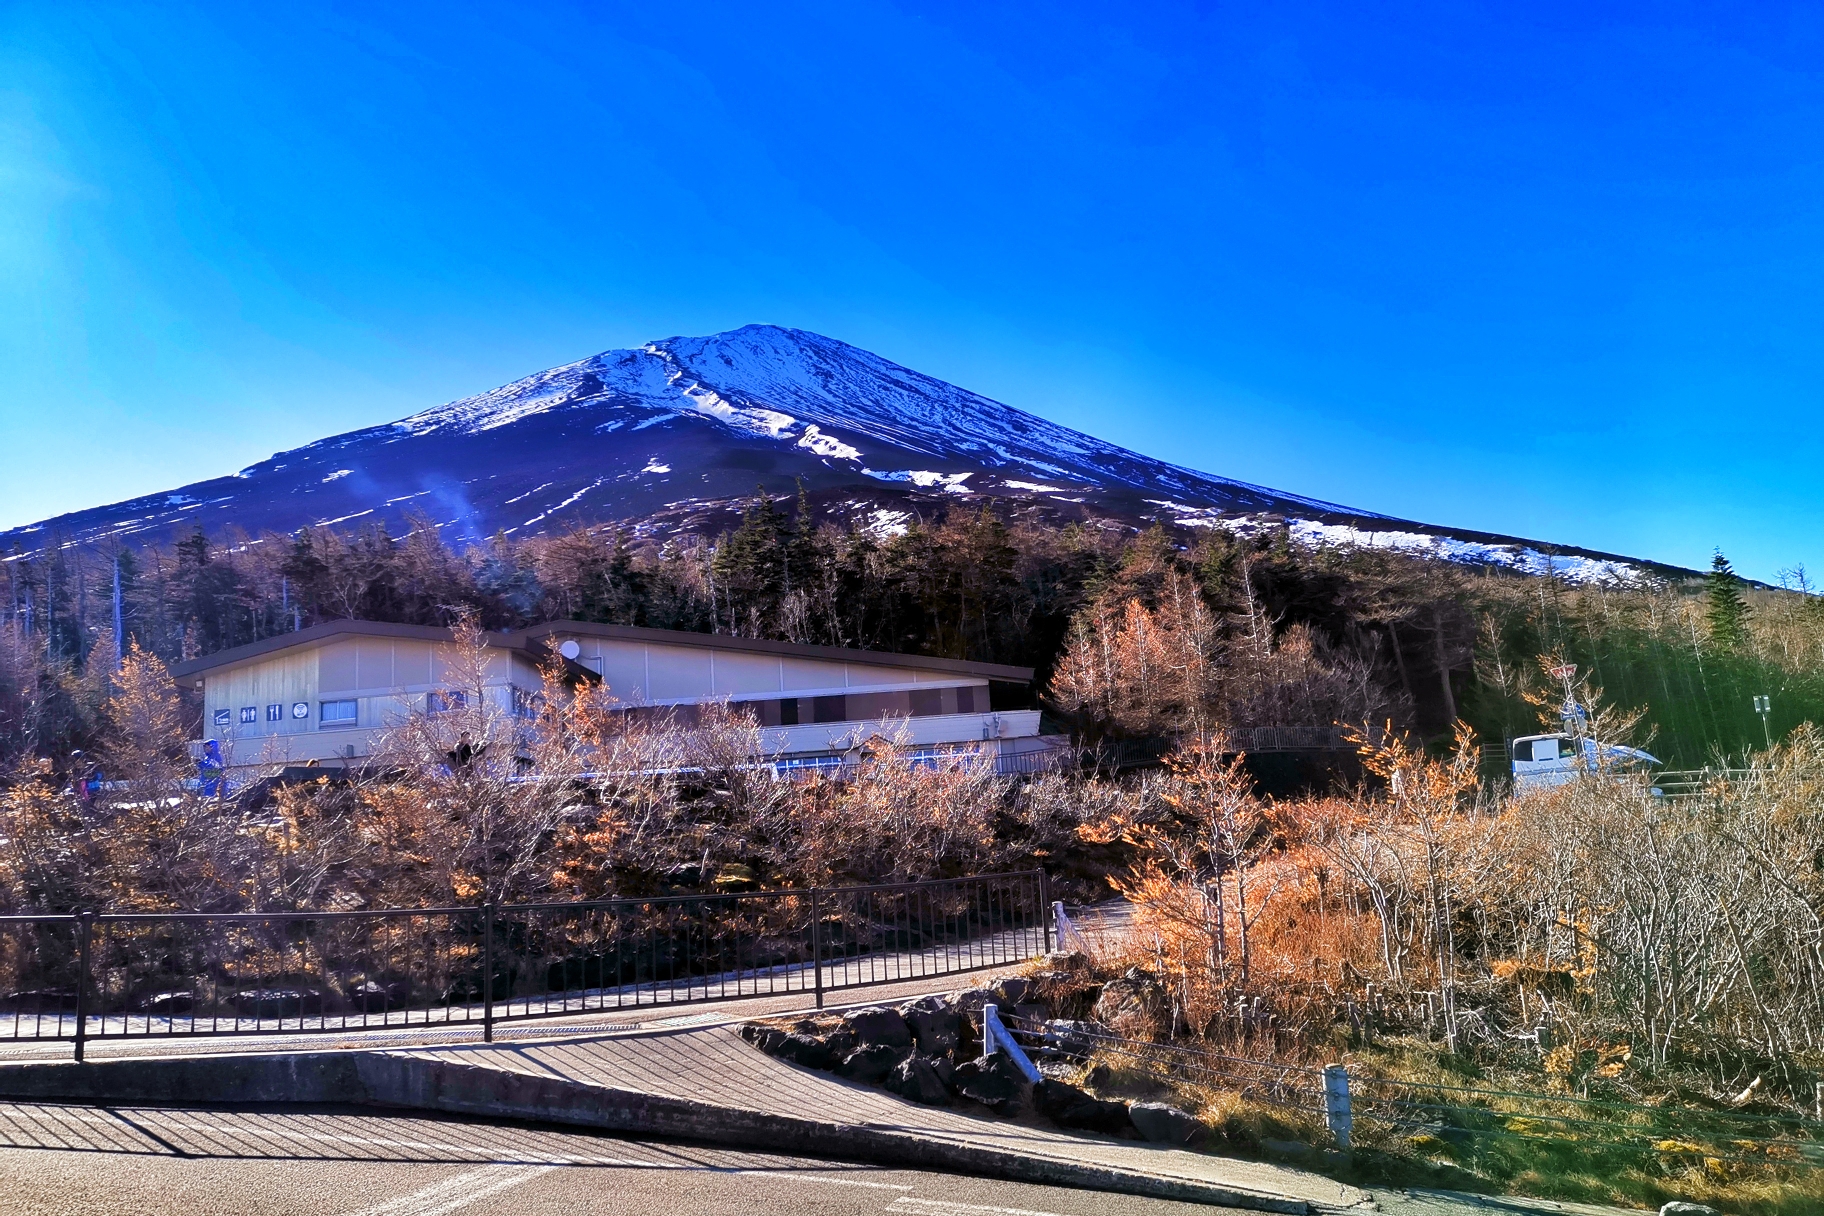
x=715, y=1066
x=682, y=1072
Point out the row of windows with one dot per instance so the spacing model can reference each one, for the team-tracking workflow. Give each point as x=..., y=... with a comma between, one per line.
x=787, y=711
x=849, y=707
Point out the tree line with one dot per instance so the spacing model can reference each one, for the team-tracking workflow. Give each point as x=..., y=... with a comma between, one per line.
x=1134, y=634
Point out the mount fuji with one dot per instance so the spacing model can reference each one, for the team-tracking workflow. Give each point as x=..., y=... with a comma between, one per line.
x=675, y=436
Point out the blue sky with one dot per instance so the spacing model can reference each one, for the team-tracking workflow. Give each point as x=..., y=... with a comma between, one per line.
x=1551, y=272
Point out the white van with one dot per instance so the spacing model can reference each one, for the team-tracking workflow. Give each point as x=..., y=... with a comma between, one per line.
x=1544, y=761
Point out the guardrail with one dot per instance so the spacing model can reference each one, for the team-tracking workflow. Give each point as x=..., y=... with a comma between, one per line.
x=151, y=975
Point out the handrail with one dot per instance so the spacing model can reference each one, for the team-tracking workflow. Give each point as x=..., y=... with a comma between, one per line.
x=135, y=974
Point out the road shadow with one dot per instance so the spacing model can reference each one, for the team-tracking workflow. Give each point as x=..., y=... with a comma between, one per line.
x=332, y=1133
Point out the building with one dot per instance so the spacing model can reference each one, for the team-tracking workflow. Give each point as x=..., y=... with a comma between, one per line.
x=328, y=693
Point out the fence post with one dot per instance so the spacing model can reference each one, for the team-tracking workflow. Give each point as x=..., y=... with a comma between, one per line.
x=1336, y=1104
x=817, y=943
x=487, y=972
x=1045, y=907
x=82, y=980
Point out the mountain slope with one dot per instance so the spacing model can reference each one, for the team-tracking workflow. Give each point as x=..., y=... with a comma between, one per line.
x=676, y=433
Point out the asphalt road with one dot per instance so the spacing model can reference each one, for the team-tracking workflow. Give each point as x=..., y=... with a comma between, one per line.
x=213, y=1162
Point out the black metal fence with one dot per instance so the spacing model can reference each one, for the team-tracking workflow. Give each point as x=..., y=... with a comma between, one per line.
x=147, y=975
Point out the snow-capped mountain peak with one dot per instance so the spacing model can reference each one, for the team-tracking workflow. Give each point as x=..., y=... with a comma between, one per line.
x=669, y=434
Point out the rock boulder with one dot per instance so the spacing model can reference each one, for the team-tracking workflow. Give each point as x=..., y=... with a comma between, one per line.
x=1164, y=1124
x=917, y=1079
x=872, y=1064
x=1068, y=1106
x=934, y=1023
x=995, y=1082
x=878, y=1026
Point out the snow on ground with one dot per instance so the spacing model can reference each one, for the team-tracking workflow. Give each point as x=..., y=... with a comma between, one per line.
x=1033, y=486
x=1311, y=532
x=338, y=473
x=527, y=494
x=560, y=506
x=950, y=483
x=770, y=423
x=827, y=445
x=653, y=465
x=884, y=523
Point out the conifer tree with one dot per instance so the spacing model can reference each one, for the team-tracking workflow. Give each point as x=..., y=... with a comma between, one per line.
x=1727, y=611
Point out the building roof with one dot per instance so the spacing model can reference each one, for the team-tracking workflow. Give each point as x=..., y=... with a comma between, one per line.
x=798, y=650
x=329, y=631
x=532, y=641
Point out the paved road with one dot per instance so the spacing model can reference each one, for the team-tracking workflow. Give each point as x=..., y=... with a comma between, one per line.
x=271, y=1162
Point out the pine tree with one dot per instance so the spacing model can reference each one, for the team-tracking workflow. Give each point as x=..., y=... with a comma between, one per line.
x=1727, y=611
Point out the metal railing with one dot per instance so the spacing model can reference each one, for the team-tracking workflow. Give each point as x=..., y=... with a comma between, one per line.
x=150, y=975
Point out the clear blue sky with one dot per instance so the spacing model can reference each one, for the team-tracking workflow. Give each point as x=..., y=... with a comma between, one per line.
x=1526, y=268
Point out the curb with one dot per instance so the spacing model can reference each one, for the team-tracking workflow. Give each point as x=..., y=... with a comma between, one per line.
x=389, y=1079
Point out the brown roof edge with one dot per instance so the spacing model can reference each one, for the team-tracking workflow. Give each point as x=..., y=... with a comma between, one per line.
x=324, y=632
x=534, y=638
x=842, y=654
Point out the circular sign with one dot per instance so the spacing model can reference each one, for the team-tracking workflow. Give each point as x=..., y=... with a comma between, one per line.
x=569, y=649
x=300, y=709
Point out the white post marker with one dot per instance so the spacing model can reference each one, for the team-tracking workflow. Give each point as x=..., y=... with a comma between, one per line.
x=1069, y=936
x=995, y=1038
x=1336, y=1104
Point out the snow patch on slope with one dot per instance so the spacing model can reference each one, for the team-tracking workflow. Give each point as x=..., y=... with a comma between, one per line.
x=827, y=445
x=951, y=483
x=1317, y=534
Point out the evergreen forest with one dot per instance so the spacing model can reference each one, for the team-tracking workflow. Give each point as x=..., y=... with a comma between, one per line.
x=1135, y=635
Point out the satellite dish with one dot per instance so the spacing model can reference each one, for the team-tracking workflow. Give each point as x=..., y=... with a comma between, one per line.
x=569, y=649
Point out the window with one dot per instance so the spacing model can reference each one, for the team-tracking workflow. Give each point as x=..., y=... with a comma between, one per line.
x=250, y=713
x=275, y=713
x=927, y=702
x=443, y=702
x=1523, y=751
x=788, y=711
x=873, y=706
x=339, y=713
x=965, y=699
x=829, y=709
